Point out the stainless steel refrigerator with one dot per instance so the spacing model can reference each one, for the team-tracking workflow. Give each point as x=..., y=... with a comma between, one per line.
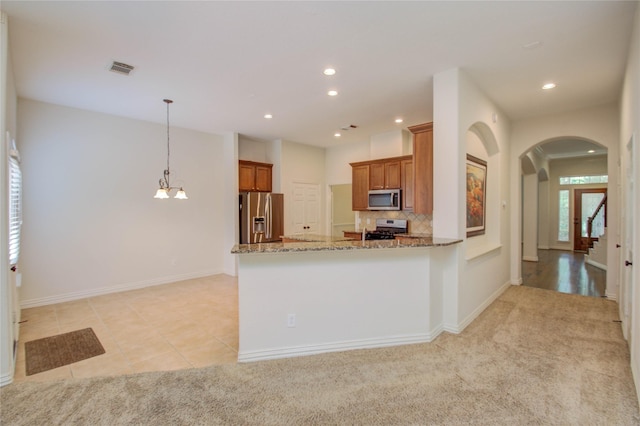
x=261, y=217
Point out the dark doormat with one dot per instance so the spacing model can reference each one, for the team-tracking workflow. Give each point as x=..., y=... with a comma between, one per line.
x=63, y=349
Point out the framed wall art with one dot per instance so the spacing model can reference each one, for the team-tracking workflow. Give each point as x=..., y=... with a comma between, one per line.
x=476, y=195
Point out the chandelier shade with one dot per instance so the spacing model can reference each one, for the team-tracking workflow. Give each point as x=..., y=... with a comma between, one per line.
x=164, y=182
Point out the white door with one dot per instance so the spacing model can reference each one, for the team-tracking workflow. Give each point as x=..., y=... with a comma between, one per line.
x=626, y=280
x=306, y=208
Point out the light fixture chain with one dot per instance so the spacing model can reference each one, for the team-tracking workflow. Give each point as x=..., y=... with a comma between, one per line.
x=168, y=101
x=165, y=185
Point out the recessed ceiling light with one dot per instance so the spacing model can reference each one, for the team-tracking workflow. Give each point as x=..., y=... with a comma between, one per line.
x=329, y=71
x=268, y=116
x=591, y=151
x=399, y=120
x=337, y=135
x=549, y=86
x=332, y=93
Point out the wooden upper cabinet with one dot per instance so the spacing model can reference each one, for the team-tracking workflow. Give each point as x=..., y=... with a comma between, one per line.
x=254, y=176
x=392, y=178
x=406, y=183
x=263, y=178
x=423, y=168
x=247, y=177
x=376, y=176
x=360, y=187
x=384, y=174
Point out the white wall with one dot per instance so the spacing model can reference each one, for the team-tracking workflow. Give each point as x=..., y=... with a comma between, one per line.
x=338, y=158
x=483, y=261
x=630, y=127
x=530, y=217
x=597, y=124
x=391, y=144
x=301, y=164
x=231, y=220
x=91, y=224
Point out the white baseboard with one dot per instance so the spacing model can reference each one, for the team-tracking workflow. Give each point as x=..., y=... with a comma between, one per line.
x=6, y=379
x=67, y=297
x=594, y=263
x=530, y=258
x=516, y=282
x=543, y=247
x=636, y=379
x=288, y=352
x=457, y=328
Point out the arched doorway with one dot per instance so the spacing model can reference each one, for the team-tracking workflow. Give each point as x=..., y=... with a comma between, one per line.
x=553, y=173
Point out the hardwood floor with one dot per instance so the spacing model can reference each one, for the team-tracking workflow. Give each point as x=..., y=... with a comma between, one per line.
x=566, y=272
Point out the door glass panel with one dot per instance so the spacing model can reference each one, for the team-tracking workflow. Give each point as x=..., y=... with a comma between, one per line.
x=590, y=202
x=563, y=215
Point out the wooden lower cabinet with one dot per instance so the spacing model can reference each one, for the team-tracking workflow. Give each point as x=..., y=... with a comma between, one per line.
x=352, y=234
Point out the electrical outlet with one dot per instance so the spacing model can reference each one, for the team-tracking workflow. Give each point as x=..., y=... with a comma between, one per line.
x=368, y=221
x=291, y=320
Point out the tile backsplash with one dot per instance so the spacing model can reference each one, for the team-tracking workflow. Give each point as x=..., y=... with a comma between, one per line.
x=418, y=223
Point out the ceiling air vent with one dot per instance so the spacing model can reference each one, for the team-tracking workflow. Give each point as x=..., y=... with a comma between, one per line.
x=121, y=68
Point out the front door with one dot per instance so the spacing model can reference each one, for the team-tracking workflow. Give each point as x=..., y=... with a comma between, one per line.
x=585, y=203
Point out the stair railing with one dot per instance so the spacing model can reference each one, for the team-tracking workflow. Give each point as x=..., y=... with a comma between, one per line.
x=591, y=218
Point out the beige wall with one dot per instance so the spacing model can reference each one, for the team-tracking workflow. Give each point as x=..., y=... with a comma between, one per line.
x=91, y=224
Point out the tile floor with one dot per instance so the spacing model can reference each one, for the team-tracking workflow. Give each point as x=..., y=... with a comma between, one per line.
x=192, y=323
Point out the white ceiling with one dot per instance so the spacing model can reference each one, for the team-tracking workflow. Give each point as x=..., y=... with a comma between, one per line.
x=564, y=148
x=226, y=64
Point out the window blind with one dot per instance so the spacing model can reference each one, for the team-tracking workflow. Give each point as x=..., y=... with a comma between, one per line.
x=15, y=209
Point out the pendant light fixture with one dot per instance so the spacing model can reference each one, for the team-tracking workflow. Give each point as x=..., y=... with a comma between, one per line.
x=165, y=186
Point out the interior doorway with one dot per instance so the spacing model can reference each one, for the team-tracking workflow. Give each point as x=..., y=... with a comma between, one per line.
x=343, y=218
x=586, y=202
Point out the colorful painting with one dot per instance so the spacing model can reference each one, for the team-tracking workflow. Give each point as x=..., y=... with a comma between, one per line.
x=476, y=195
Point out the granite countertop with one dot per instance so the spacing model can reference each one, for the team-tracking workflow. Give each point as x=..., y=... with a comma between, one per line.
x=316, y=238
x=325, y=243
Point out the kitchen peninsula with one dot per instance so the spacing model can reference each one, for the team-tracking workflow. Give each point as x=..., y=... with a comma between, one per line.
x=325, y=294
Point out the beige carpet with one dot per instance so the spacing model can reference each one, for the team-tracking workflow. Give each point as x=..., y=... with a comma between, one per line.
x=534, y=357
x=55, y=351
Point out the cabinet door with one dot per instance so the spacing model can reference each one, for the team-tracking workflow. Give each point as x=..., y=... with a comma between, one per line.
x=247, y=177
x=352, y=235
x=423, y=168
x=376, y=176
x=360, y=187
x=263, y=178
x=392, y=175
x=406, y=183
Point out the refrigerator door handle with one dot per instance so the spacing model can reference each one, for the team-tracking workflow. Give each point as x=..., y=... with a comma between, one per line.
x=268, y=214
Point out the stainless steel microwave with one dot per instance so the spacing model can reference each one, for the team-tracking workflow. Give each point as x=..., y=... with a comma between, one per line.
x=384, y=199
